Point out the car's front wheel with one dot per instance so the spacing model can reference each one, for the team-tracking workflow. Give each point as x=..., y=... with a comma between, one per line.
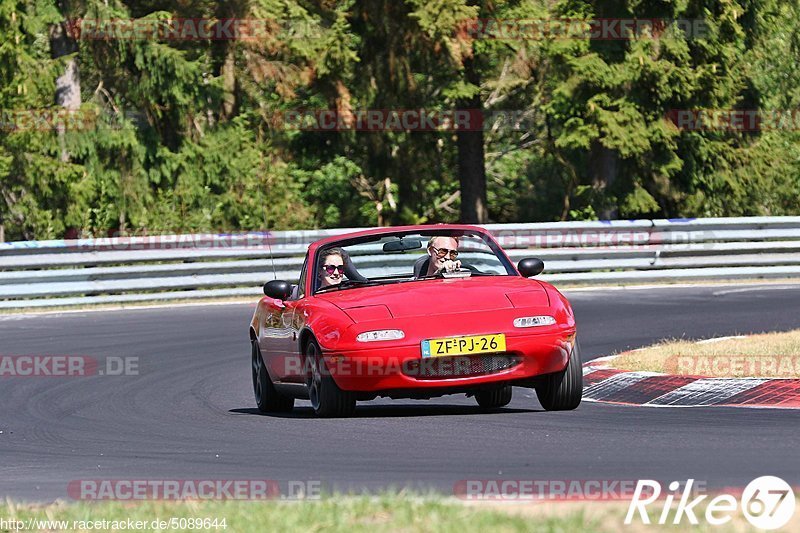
x=563, y=391
x=493, y=399
x=267, y=398
x=327, y=399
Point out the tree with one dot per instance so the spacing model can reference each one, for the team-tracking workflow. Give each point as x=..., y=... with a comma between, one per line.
x=186, y=135
x=68, y=85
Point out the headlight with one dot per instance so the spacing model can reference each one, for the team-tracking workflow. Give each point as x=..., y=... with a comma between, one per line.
x=381, y=335
x=534, y=321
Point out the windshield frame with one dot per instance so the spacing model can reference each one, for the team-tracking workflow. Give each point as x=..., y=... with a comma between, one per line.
x=425, y=231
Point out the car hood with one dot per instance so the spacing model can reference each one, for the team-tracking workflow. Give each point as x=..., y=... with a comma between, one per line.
x=438, y=297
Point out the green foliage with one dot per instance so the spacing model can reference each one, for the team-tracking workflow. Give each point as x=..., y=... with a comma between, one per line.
x=189, y=137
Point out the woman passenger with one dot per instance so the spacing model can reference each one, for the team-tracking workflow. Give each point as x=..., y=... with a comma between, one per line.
x=332, y=263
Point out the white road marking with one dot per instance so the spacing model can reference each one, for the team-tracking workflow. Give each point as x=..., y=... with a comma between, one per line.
x=601, y=362
x=760, y=288
x=608, y=387
x=720, y=339
x=743, y=406
x=35, y=314
x=749, y=287
x=707, y=391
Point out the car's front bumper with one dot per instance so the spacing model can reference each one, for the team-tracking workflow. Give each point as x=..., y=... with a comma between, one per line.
x=385, y=368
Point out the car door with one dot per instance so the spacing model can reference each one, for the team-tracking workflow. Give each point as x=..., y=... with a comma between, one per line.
x=278, y=339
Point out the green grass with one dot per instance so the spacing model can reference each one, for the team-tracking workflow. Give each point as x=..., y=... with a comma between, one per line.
x=403, y=512
x=334, y=514
x=762, y=355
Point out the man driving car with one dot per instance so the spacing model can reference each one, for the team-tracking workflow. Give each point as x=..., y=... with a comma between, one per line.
x=442, y=256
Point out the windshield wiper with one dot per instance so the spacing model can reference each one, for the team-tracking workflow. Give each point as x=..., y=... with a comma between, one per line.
x=349, y=284
x=438, y=275
x=432, y=276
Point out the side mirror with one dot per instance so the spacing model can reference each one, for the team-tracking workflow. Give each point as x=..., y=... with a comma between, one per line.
x=280, y=290
x=530, y=266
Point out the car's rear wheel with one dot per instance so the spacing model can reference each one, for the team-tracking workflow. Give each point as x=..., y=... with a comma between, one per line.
x=267, y=398
x=492, y=399
x=563, y=391
x=327, y=399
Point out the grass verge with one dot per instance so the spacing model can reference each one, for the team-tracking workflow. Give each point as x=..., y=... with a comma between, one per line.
x=397, y=512
x=764, y=355
x=334, y=514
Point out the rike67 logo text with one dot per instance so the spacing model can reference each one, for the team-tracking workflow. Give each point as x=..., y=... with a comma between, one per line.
x=767, y=503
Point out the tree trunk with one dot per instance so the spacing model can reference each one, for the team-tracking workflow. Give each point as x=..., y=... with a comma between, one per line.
x=68, y=85
x=229, y=83
x=224, y=55
x=471, y=161
x=603, y=168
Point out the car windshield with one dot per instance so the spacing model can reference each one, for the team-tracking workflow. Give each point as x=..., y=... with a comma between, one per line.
x=403, y=257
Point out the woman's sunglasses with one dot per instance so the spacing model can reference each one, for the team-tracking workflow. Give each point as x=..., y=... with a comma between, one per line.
x=330, y=269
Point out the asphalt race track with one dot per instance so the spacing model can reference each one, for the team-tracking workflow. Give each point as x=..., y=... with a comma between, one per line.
x=190, y=412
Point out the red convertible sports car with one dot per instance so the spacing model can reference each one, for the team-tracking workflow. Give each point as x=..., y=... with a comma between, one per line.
x=413, y=312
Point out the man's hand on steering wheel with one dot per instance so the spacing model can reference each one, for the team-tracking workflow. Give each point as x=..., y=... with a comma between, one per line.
x=450, y=266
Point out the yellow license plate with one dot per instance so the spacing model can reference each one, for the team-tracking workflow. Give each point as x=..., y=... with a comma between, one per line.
x=464, y=345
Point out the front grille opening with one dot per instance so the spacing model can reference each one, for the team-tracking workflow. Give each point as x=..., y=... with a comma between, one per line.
x=459, y=366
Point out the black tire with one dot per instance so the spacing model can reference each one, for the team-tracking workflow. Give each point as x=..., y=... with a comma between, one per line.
x=563, y=390
x=327, y=399
x=267, y=398
x=493, y=399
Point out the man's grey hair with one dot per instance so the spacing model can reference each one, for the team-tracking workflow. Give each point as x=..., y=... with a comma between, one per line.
x=430, y=242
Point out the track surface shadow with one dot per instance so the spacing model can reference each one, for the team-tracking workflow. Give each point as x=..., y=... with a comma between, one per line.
x=394, y=411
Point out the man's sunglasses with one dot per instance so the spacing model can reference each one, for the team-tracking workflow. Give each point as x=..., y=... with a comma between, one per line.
x=330, y=269
x=441, y=252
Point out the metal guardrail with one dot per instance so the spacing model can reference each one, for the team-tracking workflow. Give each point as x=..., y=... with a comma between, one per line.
x=165, y=267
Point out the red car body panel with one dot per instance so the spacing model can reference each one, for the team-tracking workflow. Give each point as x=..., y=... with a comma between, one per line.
x=423, y=310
